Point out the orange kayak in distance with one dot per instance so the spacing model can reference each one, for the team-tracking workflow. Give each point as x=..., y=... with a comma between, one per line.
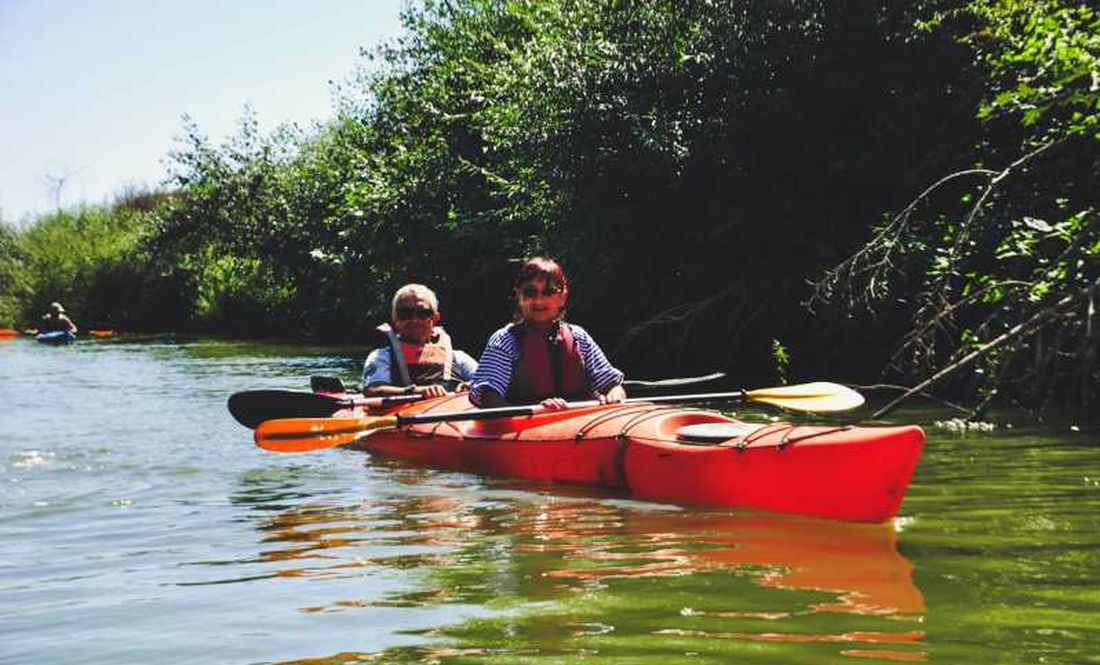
x=10, y=332
x=671, y=454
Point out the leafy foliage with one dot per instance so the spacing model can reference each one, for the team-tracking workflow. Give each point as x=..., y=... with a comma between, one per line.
x=1006, y=273
x=691, y=163
x=83, y=258
x=14, y=283
x=643, y=143
x=1044, y=61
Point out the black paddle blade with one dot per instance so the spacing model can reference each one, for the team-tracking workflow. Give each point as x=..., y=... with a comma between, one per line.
x=326, y=384
x=252, y=407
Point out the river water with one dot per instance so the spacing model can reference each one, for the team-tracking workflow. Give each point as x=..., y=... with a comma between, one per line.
x=138, y=524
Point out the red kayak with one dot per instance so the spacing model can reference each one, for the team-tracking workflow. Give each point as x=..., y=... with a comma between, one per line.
x=679, y=455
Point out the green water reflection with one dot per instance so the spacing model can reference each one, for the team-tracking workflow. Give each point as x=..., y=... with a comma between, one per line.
x=575, y=579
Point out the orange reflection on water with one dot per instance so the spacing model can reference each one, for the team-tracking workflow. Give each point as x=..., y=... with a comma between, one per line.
x=858, y=561
x=345, y=658
x=592, y=540
x=896, y=656
x=308, y=533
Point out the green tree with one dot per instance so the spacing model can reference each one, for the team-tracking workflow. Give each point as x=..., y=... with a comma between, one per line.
x=14, y=281
x=1004, y=257
x=674, y=154
x=86, y=258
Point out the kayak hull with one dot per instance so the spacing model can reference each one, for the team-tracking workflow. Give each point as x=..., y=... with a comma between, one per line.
x=55, y=337
x=850, y=473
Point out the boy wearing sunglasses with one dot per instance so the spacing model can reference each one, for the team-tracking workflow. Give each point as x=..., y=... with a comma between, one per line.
x=539, y=358
x=419, y=358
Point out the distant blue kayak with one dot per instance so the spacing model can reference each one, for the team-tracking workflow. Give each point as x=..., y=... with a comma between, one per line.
x=55, y=337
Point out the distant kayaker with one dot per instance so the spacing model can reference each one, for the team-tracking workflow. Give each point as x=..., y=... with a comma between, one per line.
x=419, y=358
x=55, y=320
x=539, y=358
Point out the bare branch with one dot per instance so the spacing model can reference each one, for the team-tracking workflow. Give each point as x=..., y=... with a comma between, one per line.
x=888, y=386
x=1020, y=330
x=875, y=259
x=683, y=315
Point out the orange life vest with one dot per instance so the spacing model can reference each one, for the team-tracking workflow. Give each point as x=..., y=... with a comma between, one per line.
x=419, y=364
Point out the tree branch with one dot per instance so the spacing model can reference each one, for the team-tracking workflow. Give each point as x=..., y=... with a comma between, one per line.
x=1020, y=330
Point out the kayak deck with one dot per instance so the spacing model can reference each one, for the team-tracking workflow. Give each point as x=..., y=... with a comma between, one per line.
x=852, y=473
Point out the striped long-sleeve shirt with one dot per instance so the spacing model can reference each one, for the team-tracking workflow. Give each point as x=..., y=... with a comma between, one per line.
x=502, y=352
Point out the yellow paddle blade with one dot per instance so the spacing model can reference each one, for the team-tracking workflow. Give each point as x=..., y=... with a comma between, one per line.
x=296, y=435
x=820, y=396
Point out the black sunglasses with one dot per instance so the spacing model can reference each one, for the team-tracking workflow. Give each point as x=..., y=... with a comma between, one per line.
x=406, y=313
x=533, y=292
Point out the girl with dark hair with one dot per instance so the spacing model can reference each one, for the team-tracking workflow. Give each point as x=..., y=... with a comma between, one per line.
x=539, y=357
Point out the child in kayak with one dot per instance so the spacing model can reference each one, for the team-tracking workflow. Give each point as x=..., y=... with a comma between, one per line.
x=539, y=357
x=418, y=358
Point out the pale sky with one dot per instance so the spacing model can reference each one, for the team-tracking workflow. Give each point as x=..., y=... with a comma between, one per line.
x=94, y=91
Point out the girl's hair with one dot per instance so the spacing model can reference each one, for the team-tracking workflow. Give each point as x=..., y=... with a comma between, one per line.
x=541, y=267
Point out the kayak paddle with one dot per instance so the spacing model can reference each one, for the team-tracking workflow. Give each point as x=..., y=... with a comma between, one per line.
x=310, y=433
x=253, y=407
x=659, y=383
x=331, y=384
x=10, y=332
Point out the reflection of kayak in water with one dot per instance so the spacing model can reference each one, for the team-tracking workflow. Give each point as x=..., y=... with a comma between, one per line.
x=860, y=562
x=856, y=566
x=595, y=540
x=55, y=337
x=716, y=576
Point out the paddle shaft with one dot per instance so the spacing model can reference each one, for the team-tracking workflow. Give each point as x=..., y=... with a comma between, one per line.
x=302, y=434
x=662, y=383
x=819, y=396
x=11, y=332
x=376, y=402
x=331, y=384
x=521, y=411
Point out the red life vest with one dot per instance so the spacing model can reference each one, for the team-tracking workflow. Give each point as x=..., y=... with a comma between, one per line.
x=419, y=364
x=549, y=365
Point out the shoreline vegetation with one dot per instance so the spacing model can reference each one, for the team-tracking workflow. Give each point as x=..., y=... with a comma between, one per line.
x=883, y=194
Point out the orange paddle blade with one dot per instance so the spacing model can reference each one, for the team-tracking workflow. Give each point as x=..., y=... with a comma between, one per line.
x=296, y=435
x=101, y=333
x=8, y=332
